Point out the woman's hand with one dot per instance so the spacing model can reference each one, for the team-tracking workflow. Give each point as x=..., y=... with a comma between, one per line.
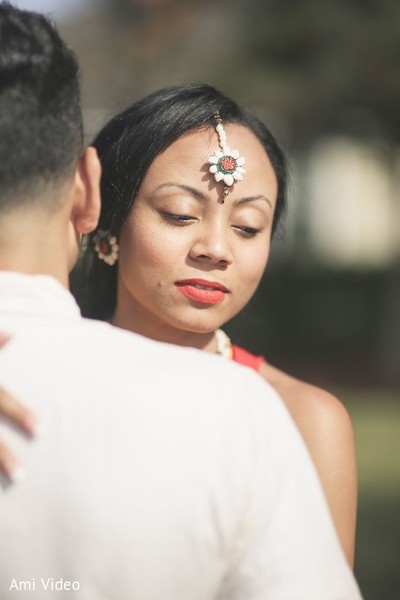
x=20, y=416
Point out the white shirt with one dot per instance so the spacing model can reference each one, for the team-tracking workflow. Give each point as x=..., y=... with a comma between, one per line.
x=163, y=473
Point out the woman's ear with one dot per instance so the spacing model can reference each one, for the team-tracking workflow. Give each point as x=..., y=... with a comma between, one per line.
x=87, y=204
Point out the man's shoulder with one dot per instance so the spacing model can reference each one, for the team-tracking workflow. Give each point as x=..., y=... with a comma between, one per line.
x=88, y=349
x=123, y=341
x=199, y=372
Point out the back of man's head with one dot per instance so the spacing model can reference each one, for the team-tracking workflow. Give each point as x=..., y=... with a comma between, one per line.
x=41, y=133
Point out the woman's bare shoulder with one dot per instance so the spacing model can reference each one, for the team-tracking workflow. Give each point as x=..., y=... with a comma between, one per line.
x=316, y=411
x=326, y=428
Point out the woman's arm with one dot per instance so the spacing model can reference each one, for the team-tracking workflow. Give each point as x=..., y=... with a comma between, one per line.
x=19, y=415
x=327, y=431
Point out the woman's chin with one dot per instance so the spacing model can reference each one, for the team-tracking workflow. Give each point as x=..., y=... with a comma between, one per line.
x=203, y=322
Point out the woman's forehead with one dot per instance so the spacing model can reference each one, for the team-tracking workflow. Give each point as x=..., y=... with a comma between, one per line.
x=198, y=145
x=187, y=161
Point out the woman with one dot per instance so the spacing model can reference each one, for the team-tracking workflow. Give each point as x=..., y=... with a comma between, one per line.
x=193, y=188
x=190, y=257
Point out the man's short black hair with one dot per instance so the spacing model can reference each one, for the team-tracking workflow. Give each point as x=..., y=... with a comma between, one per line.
x=41, y=133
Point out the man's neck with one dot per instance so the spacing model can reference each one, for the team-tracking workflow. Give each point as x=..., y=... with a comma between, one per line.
x=33, y=246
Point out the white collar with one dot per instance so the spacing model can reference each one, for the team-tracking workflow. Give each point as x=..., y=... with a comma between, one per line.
x=38, y=295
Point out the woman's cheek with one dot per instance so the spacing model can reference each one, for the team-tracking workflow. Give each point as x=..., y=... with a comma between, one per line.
x=159, y=252
x=253, y=265
x=141, y=244
x=150, y=254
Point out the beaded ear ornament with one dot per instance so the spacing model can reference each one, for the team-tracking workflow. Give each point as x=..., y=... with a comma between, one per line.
x=226, y=164
x=106, y=247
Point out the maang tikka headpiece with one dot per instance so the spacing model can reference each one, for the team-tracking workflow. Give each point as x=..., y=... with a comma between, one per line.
x=226, y=164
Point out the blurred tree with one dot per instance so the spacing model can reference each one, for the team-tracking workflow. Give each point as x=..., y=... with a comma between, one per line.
x=328, y=65
x=321, y=65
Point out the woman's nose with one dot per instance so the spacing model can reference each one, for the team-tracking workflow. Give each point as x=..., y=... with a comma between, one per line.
x=212, y=246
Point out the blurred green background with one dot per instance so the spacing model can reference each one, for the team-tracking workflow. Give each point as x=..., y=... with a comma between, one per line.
x=325, y=77
x=376, y=418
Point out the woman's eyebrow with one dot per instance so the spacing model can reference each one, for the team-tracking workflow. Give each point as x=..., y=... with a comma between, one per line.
x=203, y=197
x=248, y=199
x=186, y=188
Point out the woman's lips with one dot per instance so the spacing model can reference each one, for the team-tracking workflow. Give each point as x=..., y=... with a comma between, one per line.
x=200, y=290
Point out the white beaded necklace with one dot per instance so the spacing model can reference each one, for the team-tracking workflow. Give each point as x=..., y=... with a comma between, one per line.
x=224, y=344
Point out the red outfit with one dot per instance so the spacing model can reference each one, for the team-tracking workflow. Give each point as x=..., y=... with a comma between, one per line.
x=243, y=357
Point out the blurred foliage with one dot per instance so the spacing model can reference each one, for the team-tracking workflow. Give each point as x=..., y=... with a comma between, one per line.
x=328, y=60
x=323, y=325
x=319, y=65
x=376, y=419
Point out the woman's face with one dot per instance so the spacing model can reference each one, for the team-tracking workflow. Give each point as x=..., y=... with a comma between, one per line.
x=191, y=259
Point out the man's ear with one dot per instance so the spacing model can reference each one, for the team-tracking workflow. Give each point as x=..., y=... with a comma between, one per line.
x=87, y=202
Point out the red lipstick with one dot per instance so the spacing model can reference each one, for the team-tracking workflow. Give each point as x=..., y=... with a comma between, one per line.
x=202, y=291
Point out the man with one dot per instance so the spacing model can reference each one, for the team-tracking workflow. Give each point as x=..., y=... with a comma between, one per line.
x=162, y=473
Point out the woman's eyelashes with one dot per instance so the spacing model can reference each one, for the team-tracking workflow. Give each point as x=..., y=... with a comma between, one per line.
x=182, y=219
x=177, y=219
x=245, y=231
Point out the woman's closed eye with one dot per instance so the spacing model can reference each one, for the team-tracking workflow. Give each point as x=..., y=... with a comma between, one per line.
x=177, y=219
x=245, y=231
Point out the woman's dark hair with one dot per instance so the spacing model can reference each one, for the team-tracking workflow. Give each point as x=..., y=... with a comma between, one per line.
x=128, y=145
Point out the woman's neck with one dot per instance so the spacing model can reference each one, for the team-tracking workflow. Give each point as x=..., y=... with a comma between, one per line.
x=163, y=332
